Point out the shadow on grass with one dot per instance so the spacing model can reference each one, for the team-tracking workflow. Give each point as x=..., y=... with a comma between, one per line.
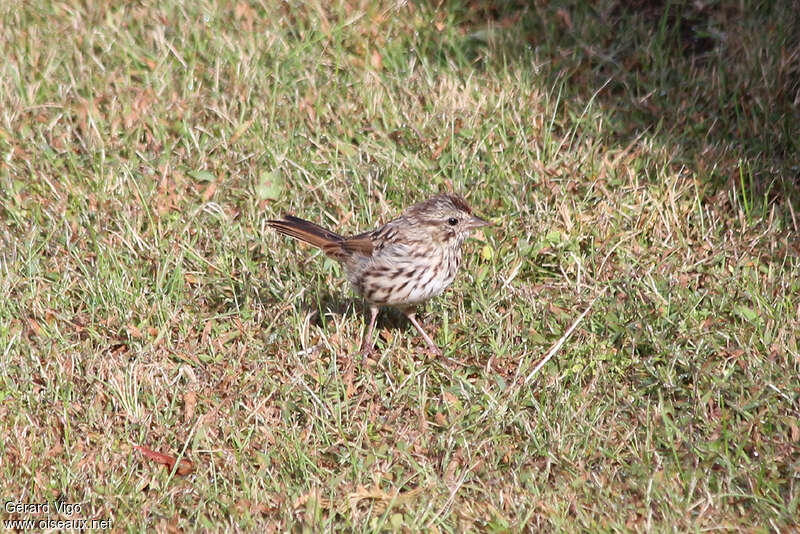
x=717, y=83
x=344, y=305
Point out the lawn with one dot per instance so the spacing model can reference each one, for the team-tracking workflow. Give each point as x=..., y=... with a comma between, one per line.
x=168, y=362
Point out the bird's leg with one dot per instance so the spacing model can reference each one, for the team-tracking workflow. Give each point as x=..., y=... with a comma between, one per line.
x=366, y=346
x=411, y=315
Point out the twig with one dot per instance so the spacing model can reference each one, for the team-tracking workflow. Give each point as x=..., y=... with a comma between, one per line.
x=563, y=338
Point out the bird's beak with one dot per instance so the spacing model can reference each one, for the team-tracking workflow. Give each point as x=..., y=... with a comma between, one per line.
x=477, y=222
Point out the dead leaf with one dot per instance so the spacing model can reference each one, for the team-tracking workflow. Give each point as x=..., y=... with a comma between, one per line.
x=189, y=404
x=204, y=336
x=55, y=450
x=240, y=130
x=118, y=348
x=376, y=60
x=450, y=471
x=246, y=14
x=133, y=331
x=209, y=192
x=439, y=149
x=380, y=499
x=184, y=467
x=311, y=496
x=33, y=325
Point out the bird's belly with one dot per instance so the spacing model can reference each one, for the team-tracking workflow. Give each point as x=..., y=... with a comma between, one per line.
x=429, y=285
x=408, y=285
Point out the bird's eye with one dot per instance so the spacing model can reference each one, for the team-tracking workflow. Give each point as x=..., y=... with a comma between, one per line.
x=452, y=221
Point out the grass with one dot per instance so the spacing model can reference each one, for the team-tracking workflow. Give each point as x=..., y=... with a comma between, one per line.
x=644, y=154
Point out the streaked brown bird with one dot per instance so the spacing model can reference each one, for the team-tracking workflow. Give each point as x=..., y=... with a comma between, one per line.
x=402, y=263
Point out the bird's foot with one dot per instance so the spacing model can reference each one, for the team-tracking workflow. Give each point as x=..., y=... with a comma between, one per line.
x=366, y=351
x=433, y=350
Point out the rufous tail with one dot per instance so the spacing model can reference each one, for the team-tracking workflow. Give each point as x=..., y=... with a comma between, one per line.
x=311, y=233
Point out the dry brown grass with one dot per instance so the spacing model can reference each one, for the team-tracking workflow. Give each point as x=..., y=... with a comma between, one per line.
x=644, y=155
